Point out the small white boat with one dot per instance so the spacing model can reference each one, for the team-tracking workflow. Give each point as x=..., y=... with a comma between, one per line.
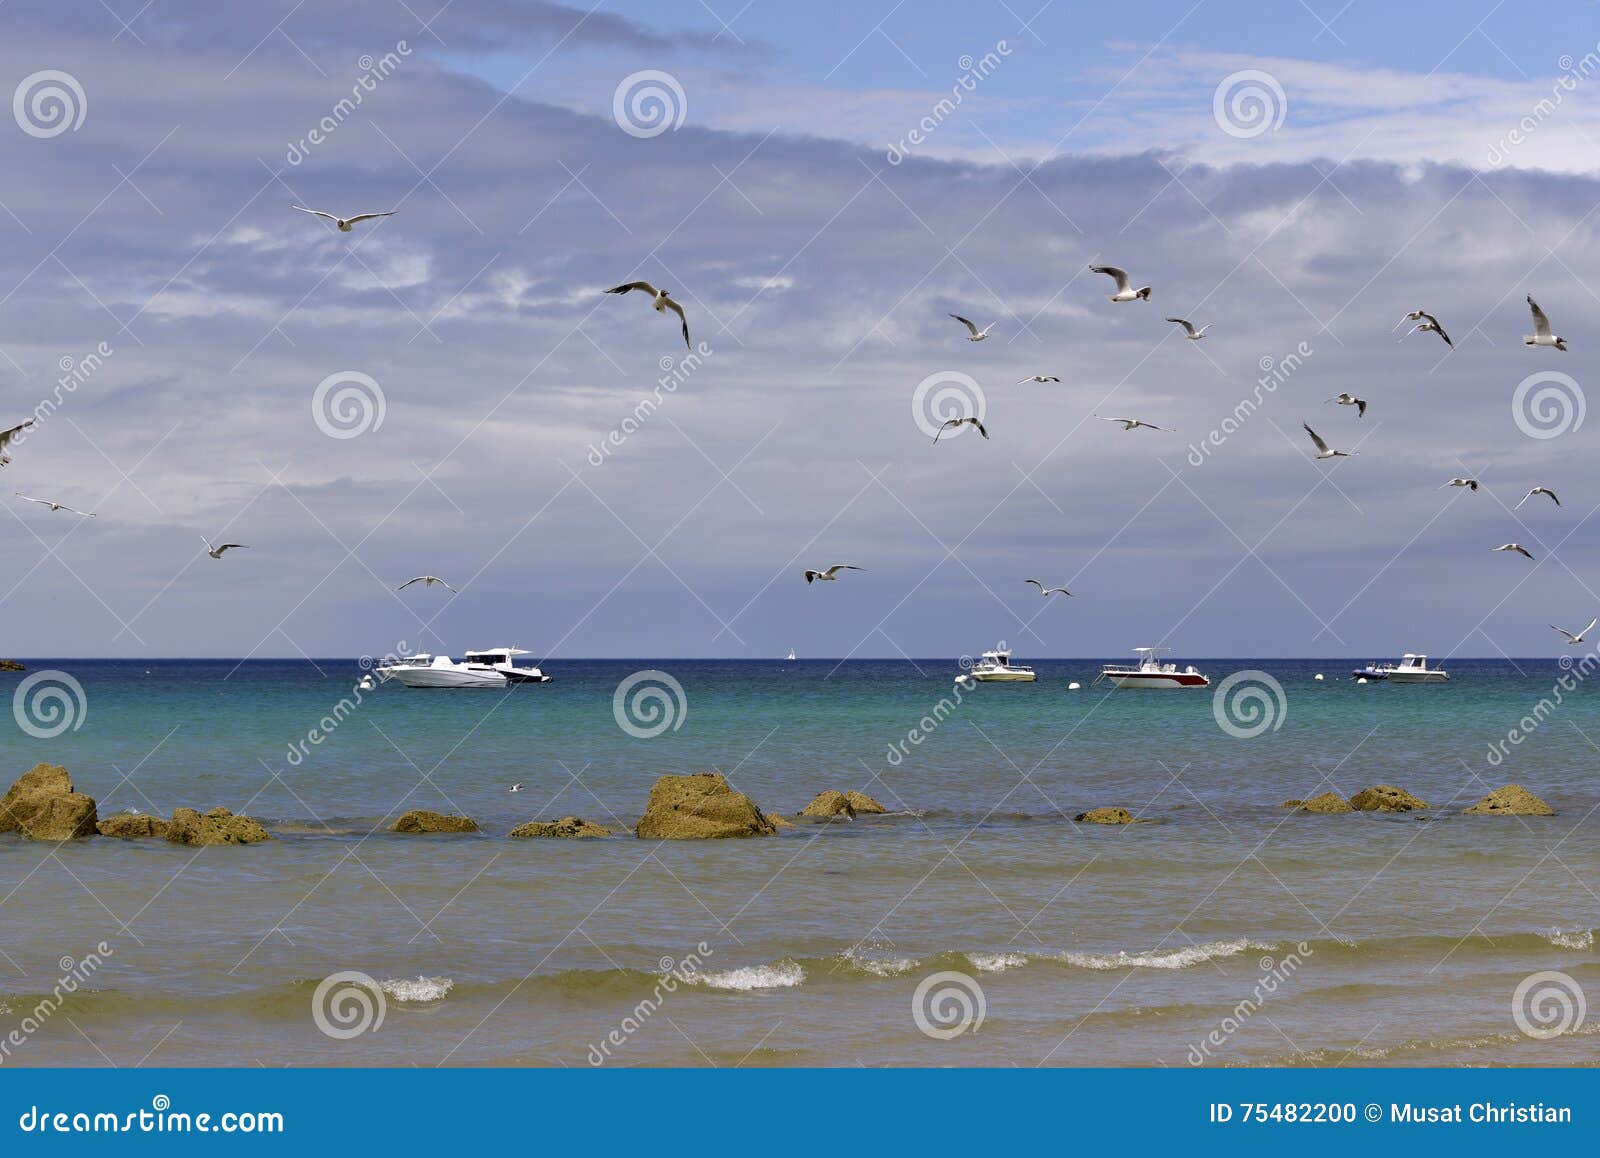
x=1152, y=672
x=790, y=656
x=1412, y=669
x=996, y=667
x=492, y=667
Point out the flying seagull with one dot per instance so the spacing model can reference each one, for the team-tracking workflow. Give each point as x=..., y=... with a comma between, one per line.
x=1189, y=331
x=1322, y=447
x=977, y=334
x=1125, y=291
x=663, y=301
x=54, y=506
x=7, y=435
x=1348, y=399
x=426, y=581
x=1039, y=378
x=1578, y=638
x=1541, y=335
x=1132, y=423
x=949, y=422
x=216, y=552
x=1517, y=547
x=1047, y=591
x=345, y=223
x=832, y=573
x=517, y=787
x=1470, y=483
x=1428, y=324
x=1538, y=491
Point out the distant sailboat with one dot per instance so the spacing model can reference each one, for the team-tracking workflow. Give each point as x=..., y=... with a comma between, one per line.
x=791, y=654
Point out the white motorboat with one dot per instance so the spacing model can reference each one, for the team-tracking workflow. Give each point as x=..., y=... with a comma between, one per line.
x=492, y=667
x=996, y=667
x=1152, y=672
x=1412, y=669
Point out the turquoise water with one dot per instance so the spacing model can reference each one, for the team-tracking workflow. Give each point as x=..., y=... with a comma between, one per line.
x=1379, y=938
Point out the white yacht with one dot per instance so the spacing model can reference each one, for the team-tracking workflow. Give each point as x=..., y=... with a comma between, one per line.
x=1412, y=669
x=492, y=667
x=996, y=667
x=1152, y=672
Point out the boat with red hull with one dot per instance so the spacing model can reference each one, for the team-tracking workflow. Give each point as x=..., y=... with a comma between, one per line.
x=1152, y=672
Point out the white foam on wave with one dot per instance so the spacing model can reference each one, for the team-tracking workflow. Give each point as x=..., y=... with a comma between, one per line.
x=996, y=962
x=419, y=989
x=882, y=966
x=780, y=975
x=1574, y=939
x=1162, y=958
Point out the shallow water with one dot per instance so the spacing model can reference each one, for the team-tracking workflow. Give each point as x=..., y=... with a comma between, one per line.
x=1295, y=939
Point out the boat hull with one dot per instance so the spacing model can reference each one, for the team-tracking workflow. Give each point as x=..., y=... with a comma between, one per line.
x=1010, y=677
x=1158, y=680
x=428, y=677
x=1432, y=677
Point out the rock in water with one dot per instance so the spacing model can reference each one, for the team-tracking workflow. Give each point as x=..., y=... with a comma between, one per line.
x=567, y=826
x=861, y=802
x=421, y=820
x=11, y=665
x=1512, y=800
x=699, y=807
x=1327, y=802
x=829, y=803
x=219, y=826
x=1385, y=798
x=43, y=805
x=1105, y=816
x=132, y=826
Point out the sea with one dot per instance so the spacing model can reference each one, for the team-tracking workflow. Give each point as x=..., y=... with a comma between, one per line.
x=974, y=923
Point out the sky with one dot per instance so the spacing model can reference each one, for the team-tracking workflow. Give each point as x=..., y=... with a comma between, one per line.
x=448, y=391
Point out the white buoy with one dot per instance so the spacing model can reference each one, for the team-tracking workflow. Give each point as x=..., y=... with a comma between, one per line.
x=1318, y=675
x=1074, y=686
x=1362, y=680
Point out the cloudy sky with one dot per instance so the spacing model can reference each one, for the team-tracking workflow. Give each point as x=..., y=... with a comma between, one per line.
x=820, y=185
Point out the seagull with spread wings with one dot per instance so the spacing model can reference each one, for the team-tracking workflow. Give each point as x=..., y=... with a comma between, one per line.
x=1125, y=291
x=1578, y=638
x=1039, y=378
x=1322, y=447
x=831, y=573
x=1189, y=331
x=55, y=506
x=663, y=300
x=974, y=334
x=1517, y=547
x=1348, y=399
x=7, y=435
x=1541, y=335
x=345, y=224
x=1538, y=491
x=1426, y=324
x=1470, y=483
x=959, y=422
x=216, y=552
x=1132, y=423
x=426, y=581
x=1047, y=591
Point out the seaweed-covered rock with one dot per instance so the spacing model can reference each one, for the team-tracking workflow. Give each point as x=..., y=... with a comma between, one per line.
x=219, y=826
x=1105, y=816
x=132, y=826
x=570, y=827
x=11, y=665
x=861, y=802
x=700, y=807
x=829, y=803
x=1385, y=798
x=43, y=805
x=1327, y=802
x=422, y=820
x=1512, y=800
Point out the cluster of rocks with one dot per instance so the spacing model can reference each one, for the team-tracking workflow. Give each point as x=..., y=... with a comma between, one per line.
x=1512, y=800
x=44, y=805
